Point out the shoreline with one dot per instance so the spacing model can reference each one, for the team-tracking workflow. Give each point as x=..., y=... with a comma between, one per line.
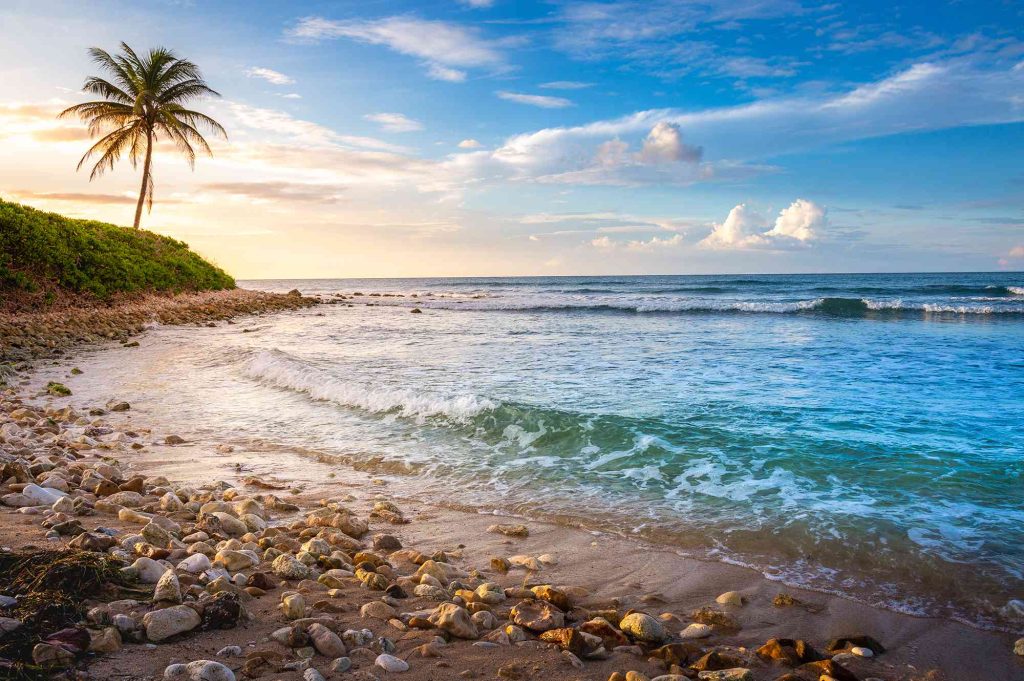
x=611, y=569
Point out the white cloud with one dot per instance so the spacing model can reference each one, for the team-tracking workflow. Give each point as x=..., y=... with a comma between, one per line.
x=1017, y=251
x=665, y=144
x=283, y=123
x=655, y=244
x=394, y=122
x=801, y=222
x=469, y=144
x=603, y=243
x=445, y=48
x=738, y=231
x=271, y=76
x=478, y=4
x=543, y=101
x=737, y=139
x=565, y=85
x=292, y=95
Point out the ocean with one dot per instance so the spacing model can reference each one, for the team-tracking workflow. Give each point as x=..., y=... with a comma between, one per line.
x=859, y=434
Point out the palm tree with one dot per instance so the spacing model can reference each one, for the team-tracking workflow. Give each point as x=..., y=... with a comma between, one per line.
x=143, y=103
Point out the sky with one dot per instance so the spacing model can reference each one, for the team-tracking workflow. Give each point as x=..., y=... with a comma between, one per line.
x=499, y=137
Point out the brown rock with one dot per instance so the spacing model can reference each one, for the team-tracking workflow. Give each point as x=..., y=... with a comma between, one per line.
x=788, y=651
x=537, y=616
x=828, y=668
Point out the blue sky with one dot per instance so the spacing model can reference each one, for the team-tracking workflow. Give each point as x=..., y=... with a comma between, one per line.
x=495, y=137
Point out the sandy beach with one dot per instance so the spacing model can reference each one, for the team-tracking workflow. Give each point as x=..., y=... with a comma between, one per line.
x=592, y=574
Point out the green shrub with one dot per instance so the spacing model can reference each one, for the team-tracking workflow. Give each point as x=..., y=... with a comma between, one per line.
x=43, y=251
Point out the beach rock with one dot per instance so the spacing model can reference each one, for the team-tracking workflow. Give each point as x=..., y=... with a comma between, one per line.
x=223, y=611
x=326, y=642
x=195, y=564
x=312, y=674
x=846, y=642
x=230, y=651
x=640, y=626
x=168, y=589
x=49, y=655
x=8, y=625
x=146, y=570
x=552, y=595
x=602, y=628
x=126, y=499
x=41, y=496
x=341, y=665
x=377, y=610
x=1018, y=647
x=92, y=541
x=106, y=640
x=537, y=616
x=827, y=668
x=510, y=530
x=293, y=606
x=162, y=624
x=736, y=674
x=788, y=651
x=696, y=630
x=733, y=598
x=391, y=664
x=860, y=651
x=200, y=670
x=455, y=620
x=386, y=542
x=236, y=560
x=288, y=567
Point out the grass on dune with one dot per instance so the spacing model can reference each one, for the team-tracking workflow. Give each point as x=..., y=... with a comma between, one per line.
x=46, y=253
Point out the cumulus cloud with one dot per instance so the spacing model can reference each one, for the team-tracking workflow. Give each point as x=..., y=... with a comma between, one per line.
x=469, y=144
x=445, y=49
x=801, y=222
x=394, y=122
x=271, y=76
x=543, y=101
x=665, y=144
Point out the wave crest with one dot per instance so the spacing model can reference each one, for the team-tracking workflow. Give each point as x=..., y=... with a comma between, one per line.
x=278, y=369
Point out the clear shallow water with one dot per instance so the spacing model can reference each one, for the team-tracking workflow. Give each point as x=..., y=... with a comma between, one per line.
x=861, y=434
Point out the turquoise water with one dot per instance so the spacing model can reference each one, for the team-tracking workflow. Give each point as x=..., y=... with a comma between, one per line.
x=856, y=433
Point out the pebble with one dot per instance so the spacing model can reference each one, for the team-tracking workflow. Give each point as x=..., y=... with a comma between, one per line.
x=391, y=664
x=200, y=670
x=861, y=651
x=1018, y=647
x=735, y=674
x=161, y=624
x=230, y=651
x=696, y=630
x=642, y=627
x=734, y=598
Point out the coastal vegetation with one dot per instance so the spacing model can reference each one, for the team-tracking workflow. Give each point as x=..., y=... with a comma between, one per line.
x=144, y=102
x=43, y=255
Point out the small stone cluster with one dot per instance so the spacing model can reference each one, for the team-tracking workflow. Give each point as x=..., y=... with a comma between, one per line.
x=208, y=552
x=27, y=335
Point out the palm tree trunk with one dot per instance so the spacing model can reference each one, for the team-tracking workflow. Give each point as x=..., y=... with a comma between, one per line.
x=145, y=177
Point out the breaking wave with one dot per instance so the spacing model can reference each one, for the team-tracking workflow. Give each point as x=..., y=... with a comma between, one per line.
x=280, y=370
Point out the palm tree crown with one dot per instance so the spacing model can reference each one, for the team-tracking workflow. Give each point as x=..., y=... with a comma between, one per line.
x=143, y=103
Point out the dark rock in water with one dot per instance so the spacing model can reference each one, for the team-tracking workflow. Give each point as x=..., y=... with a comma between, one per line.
x=715, y=661
x=784, y=601
x=829, y=668
x=295, y=293
x=416, y=310
x=120, y=406
x=174, y=440
x=790, y=651
x=222, y=612
x=715, y=618
x=858, y=641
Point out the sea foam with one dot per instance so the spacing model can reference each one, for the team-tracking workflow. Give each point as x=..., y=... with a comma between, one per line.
x=278, y=369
